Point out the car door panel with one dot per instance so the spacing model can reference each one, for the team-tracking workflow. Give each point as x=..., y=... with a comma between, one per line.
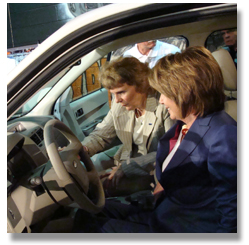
x=83, y=114
x=85, y=103
x=90, y=109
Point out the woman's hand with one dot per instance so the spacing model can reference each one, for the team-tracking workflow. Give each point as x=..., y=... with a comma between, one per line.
x=113, y=177
x=158, y=191
x=61, y=148
x=116, y=174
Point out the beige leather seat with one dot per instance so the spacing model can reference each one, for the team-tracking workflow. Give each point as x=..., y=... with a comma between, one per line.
x=229, y=73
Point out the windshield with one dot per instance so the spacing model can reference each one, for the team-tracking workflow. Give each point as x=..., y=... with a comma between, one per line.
x=37, y=97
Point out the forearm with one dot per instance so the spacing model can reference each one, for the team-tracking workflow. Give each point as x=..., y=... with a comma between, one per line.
x=95, y=144
x=102, y=136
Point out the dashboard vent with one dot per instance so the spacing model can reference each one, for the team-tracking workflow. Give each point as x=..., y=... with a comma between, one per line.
x=39, y=132
x=37, y=137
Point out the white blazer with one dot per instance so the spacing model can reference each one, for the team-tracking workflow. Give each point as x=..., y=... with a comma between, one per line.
x=120, y=123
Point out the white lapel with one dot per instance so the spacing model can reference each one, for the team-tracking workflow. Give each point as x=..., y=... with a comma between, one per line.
x=150, y=119
x=125, y=121
x=125, y=126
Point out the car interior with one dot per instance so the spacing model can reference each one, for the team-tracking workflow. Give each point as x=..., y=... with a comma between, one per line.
x=229, y=73
x=45, y=187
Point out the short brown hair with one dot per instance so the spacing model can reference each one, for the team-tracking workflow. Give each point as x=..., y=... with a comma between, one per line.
x=127, y=70
x=192, y=79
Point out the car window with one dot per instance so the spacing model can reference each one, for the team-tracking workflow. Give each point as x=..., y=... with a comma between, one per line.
x=216, y=39
x=88, y=82
x=37, y=97
x=179, y=41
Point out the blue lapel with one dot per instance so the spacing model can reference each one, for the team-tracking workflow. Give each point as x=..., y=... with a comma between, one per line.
x=189, y=143
x=163, y=147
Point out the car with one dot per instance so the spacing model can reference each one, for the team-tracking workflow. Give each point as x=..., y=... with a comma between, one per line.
x=56, y=87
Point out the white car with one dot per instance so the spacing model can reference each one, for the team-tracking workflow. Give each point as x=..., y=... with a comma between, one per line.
x=58, y=80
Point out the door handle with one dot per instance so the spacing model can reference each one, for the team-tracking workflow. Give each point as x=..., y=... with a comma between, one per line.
x=79, y=113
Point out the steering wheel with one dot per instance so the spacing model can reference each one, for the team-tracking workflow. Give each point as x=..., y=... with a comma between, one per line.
x=79, y=181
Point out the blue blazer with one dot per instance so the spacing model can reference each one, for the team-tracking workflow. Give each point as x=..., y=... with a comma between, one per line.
x=200, y=182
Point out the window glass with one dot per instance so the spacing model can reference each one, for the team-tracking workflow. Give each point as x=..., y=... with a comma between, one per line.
x=222, y=38
x=179, y=41
x=39, y=95
x=88, y=82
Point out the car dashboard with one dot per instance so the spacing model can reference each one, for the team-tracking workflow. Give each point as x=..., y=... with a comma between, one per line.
x=28, y=201
x=26, y=148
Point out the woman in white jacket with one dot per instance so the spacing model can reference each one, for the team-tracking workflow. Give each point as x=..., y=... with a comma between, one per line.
x=138, y=120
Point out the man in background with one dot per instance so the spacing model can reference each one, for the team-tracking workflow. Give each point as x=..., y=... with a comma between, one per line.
x=230, y=39
x=151, y=51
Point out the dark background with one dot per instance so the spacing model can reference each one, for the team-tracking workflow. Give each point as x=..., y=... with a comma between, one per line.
x=31, y=23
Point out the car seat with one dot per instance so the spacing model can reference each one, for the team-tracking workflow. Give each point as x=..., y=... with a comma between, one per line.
x=229, y=73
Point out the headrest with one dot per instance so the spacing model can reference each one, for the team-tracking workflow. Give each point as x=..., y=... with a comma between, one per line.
x=228, y=69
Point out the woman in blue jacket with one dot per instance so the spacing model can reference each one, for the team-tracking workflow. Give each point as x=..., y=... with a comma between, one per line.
x=198, y=176
x=196, y=164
